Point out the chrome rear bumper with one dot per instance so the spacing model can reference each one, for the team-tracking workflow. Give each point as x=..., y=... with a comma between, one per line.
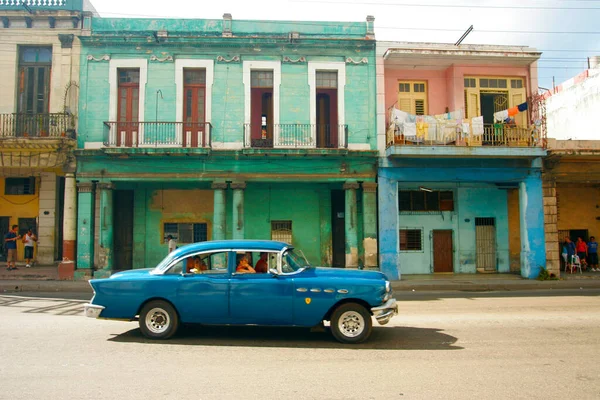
x=92, y=310
x=385, y=312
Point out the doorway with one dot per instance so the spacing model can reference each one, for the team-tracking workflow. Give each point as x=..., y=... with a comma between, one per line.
x=4, y=221
x=327, y=118
x=338, y=228
x=123, y=229
x=485, y=238
x=492, y=102
x=443, y=257
x=128, y=107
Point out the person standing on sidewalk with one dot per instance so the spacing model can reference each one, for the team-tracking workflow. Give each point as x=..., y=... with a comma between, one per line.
x=172, y=243
x=29, y=240
x=593, y=254
x=10, y=240
x=582, y=252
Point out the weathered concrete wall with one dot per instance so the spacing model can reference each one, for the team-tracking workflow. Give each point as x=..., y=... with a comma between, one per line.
x=573, y=112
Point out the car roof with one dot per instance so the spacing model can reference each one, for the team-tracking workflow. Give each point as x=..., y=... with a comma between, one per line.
x=271, y=245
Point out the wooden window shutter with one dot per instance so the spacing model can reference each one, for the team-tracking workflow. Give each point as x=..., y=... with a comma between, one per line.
x=405, y=105
x=518, y=97
x=472, y=103
x=419, y=107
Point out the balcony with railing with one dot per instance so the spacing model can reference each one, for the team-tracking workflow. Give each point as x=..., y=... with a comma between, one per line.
x=191, y=135
x=47, y=125
x=495, y=139
x=296, y=136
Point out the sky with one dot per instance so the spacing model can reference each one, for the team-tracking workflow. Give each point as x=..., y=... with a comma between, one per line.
x=565, y=31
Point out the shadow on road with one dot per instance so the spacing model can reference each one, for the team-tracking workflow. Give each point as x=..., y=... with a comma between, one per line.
x=382, y=338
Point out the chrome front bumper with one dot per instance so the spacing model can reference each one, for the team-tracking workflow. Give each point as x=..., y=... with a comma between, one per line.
x=92, y=310
x=385, y=312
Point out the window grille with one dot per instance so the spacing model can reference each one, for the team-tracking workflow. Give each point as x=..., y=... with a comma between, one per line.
x=326, y=79
x=411, y=239
x=186, y=232
x=19, y=186
x=281, y=231
x=261, y=79
x=419, y=107
x=194, y=76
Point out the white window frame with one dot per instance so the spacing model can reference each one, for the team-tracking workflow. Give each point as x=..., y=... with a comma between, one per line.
x=248, y=67
x=209, y=67
x=114, y=65
x=340, y=67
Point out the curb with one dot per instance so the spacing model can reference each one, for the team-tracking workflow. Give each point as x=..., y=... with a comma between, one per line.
x=17, y=286
x=495, y=286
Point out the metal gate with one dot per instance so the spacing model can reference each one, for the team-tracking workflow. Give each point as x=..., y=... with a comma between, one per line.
x=485, y=237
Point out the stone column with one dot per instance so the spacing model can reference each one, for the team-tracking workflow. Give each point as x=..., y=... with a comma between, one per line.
x=351, y=224
x=66, y=268
x=105, y=258
x=388, y=225
x=238, y=209
x=370, y=223
x=533, y=243
x=551, y=224
x=85, y=229
x=219, y=213
x=46, y=230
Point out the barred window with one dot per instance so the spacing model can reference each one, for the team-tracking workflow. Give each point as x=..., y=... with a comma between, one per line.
x=281, y=231
x=186, y=232
x=411, y=239
x=18, y=186
x=418, y=200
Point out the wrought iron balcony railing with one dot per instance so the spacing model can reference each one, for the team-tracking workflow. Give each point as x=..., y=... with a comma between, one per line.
x=493, y=135
x=48, y=125
x=320, y=136
x=157, y=134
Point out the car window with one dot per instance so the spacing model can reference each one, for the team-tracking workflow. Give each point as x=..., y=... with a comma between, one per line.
x=293, y=262
x=263, y=261
x=206, y=263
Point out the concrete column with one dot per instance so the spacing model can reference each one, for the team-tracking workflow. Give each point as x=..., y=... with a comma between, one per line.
x=370, y=223
x=46, y=230
x=106, y=226
x=388, y=226
x=238, y=209
x=85, y=229
x=533, y=244
x=219, y=213
x=551, y=225
x=70, y=218
x=351, y=224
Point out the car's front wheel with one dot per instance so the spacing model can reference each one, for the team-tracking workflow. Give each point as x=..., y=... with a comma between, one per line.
x=158, y=320
x=351, y=323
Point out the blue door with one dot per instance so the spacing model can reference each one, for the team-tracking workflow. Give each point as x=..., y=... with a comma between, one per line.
x=262, y=299
x=203, y=297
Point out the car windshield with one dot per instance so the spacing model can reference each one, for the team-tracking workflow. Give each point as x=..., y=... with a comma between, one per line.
x=162, y=266
x=293, y=261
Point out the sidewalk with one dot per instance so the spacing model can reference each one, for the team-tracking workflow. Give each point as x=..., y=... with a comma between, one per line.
x=45, y=279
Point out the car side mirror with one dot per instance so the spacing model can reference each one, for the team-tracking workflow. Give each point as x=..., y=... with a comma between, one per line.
x=274, y=273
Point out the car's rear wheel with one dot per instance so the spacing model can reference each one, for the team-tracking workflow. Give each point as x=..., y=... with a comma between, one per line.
x=158, y=320
x=351, y=323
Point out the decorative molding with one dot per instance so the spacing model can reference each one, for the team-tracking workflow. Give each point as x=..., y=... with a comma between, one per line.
x=299, y=60
x=155, y=58
x=219, y=186
x=105, y=186
x=232, y=59
x=105, y=57
x=350, y=60
x=369, y=187
x=66, y=40
x=340, y=67
x=238, y=185
x=350, y=185
x=85, y=187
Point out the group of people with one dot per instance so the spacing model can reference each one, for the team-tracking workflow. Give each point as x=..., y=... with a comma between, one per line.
x=261, y=266
x=587, y=252
x=10, y=244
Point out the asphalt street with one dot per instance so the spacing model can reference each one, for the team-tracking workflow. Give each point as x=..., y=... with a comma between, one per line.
x=450, y=345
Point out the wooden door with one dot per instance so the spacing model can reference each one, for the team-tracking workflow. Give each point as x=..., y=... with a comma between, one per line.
x=193, y=115
x=128, y=108
x=327, y=118
x=338, y=223
x=123, y=229
x=443, y=256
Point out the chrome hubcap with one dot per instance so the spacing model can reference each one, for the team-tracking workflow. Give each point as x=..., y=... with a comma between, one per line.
x=351, y=324
x=157, y=320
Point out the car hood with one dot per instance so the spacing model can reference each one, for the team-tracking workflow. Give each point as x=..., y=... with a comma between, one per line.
x=346, y=273
x=131, y=273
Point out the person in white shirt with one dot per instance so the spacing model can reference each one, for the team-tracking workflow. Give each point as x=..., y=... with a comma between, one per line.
x=172, y=243
x=29, y=240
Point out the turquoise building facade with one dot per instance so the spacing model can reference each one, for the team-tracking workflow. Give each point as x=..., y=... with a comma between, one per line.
x=214, y=129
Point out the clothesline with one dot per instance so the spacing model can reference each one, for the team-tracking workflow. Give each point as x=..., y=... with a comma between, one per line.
x=502, y=116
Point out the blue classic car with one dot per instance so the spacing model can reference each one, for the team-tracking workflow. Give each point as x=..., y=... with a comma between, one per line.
x=244, y=282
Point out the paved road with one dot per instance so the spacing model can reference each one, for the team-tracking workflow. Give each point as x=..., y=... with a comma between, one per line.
x=443, y=346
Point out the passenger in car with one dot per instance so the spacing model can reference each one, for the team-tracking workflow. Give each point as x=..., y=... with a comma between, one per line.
x=262, y=266
x=195, y=264
x=243, y=267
